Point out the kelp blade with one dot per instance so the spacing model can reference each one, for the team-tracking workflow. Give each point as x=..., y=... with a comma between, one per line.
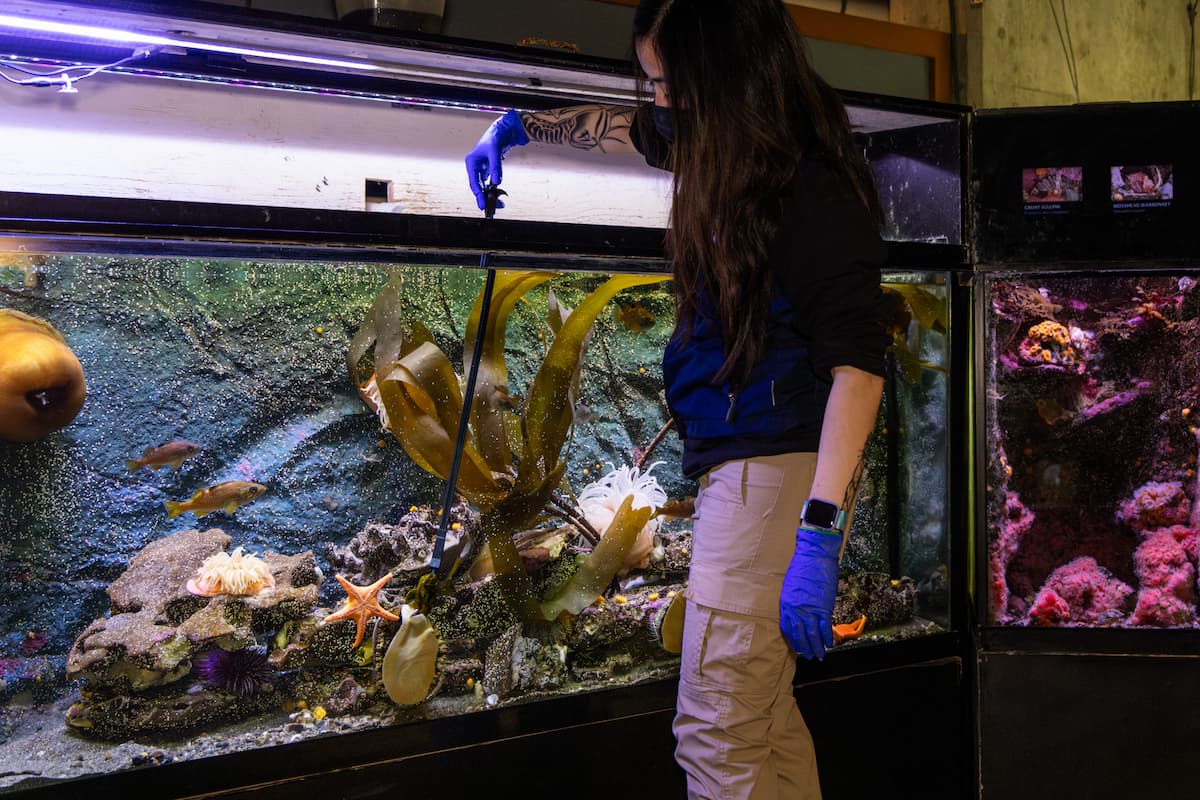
x=928, y=309
x=426, y=423
x=548, y=411
x=601, y=565
x=489, y=401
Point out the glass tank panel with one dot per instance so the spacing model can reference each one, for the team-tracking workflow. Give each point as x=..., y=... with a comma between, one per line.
x=209, y=557
x=917, y=165
x=1091, y=402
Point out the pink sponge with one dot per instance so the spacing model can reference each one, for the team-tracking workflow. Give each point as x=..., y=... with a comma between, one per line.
x=1018, y=519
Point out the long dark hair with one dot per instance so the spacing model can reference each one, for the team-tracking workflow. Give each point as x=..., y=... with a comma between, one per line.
x=747, y=107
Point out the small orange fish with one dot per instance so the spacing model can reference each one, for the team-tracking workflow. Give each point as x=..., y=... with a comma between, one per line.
x=225, y=497
x=635, y=317
x=172, y=453
x=849, y=630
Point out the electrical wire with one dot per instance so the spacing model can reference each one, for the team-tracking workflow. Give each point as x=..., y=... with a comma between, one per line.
x=1191, y=15
x=1067, y=46
x=63, y=76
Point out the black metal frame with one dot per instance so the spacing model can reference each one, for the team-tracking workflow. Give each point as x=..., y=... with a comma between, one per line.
x=65, y=223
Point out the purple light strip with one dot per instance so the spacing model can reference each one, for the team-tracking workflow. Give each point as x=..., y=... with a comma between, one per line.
x=145, y=39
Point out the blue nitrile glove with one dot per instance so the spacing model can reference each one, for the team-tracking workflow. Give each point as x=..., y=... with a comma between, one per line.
x=809, y=591
x=483, y=162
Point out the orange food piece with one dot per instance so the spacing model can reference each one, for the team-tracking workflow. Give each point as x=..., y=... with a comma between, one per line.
x=849, y=630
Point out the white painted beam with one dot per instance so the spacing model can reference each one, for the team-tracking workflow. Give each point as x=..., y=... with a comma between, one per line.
x=136, y=137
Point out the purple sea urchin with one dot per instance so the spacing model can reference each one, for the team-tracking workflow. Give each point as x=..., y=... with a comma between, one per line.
x=240, y=672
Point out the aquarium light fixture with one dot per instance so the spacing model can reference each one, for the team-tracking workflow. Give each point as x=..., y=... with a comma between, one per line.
x=138, y=40
x=68, y=23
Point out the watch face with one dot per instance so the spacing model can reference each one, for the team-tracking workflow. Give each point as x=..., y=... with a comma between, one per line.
x=820, y=513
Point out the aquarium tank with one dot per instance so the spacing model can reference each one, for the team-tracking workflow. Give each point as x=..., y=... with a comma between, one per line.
x=290, y=453
x=1092, y=390
x=229, y=546
x=1088, y=382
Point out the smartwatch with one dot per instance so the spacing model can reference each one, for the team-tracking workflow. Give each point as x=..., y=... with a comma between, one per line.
x=823, y=515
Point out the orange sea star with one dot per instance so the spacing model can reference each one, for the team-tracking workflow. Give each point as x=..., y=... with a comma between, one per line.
x=361, y=605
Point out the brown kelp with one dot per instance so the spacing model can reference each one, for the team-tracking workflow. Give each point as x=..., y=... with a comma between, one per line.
x=910, y=303
x=512, y=460
x=598, y=569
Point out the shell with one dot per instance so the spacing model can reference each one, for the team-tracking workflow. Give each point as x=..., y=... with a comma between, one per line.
x=410, y=665
x=668, y=625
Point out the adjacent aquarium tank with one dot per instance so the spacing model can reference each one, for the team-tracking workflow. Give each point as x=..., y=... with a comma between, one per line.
x=1091, y=387
x=1093, y=384
x=227, y=425
x=1088, y=393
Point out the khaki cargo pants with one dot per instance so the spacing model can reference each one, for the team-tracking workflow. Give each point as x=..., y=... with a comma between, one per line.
x=738, y=731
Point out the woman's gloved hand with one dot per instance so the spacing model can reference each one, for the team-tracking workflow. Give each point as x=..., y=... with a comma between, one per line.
x=483, y=162
x=809, y=591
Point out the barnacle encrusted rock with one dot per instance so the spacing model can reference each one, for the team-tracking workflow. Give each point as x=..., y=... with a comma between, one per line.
x=404, y=549
x=156, y=625
x=885, y=600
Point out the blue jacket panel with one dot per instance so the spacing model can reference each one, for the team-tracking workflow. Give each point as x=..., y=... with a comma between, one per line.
x=783, y=393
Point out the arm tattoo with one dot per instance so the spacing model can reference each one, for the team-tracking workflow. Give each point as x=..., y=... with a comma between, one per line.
x=586, y=127
x=855, y=480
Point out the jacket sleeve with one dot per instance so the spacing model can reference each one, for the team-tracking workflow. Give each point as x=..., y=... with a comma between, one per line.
x=827, y=261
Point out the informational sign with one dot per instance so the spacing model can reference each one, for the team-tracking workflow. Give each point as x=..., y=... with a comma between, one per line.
x=1137, y=187
x=1051, y=190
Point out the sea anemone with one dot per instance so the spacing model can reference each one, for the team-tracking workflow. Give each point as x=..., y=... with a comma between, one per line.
x=243, y=672
x=239, y=573
x=600, y=501
x=1154, y=505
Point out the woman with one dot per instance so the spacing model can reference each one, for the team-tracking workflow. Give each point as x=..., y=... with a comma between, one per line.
x=774, y=370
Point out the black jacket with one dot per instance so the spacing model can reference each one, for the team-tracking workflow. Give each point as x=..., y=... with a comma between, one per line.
x=825, y=262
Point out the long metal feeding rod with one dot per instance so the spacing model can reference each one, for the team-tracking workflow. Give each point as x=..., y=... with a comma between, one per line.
x=439, y=547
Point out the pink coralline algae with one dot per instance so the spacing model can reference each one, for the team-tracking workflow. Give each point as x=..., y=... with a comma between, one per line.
x=1017, y=521
x=1048, y=344
x=1167, y=596
x=1155, y=505
x=1081, y=591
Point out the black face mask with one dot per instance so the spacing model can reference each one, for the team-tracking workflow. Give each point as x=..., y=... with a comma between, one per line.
x=664, y=123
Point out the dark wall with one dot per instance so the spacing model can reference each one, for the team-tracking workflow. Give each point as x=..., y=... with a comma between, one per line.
x=602, y=29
